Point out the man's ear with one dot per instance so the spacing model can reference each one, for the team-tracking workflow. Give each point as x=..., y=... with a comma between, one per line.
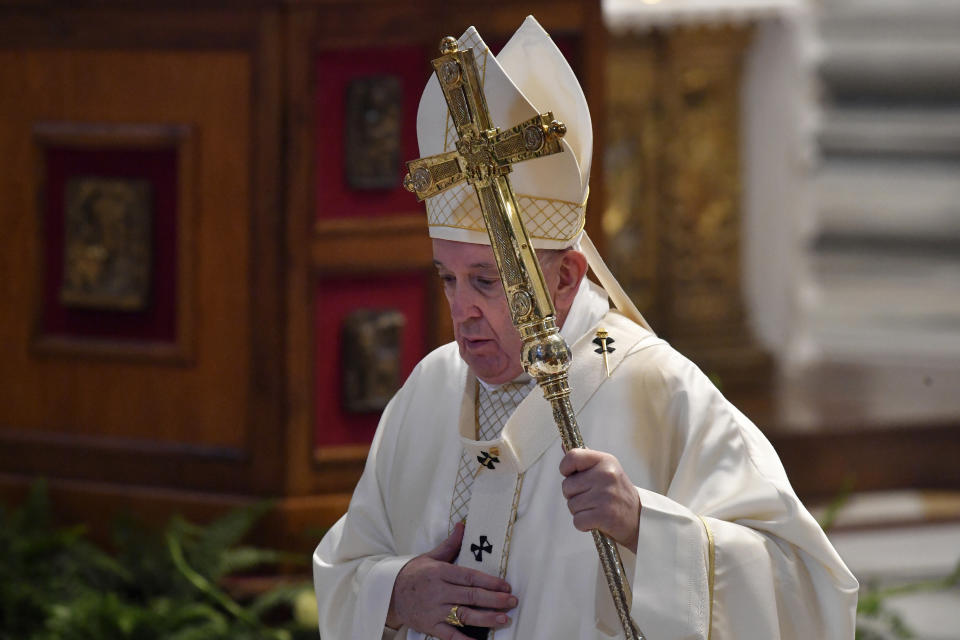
x=571, y=270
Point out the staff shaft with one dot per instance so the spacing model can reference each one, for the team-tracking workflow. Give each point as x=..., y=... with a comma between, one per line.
x=545, y=354
x=483, y=158
x=557, y=391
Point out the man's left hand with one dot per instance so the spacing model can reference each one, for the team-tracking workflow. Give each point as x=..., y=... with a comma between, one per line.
x=601, y=496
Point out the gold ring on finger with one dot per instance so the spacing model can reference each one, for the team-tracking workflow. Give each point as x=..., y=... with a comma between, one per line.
x=454, y=616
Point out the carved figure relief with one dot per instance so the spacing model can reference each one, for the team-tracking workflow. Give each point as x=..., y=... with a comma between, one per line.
x=373, y=132
x=107, y=244
x=371, y=358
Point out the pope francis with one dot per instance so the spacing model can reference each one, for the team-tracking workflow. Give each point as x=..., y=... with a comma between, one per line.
x=469, y=520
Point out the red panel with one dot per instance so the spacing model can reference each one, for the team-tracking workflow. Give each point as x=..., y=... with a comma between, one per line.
x=337, y=297
x=156, y=323
x=335, y=70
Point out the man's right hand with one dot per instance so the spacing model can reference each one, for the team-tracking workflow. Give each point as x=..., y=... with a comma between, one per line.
x=430, y=585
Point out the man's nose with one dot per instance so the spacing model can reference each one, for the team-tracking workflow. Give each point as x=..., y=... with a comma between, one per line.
x=463, y=304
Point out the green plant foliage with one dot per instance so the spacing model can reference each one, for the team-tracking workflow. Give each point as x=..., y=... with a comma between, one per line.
x=877, y=621
x=55, y=585
x=829, y=518
x=875, y=618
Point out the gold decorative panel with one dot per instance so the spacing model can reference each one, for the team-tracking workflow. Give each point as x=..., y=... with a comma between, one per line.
x=672, y=221
x=107, y=244
x=373, y=123
x=371, y=358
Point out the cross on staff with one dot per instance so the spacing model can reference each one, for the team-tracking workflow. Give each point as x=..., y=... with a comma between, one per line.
x=483, y=158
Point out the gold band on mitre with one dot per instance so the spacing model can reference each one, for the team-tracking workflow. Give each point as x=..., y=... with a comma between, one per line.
x=552, y=224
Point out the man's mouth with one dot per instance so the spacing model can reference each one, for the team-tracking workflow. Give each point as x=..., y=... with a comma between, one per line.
x=474, y=343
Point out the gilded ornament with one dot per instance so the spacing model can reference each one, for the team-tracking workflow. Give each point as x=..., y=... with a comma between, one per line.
x=421, y=179
x=107, y=244
x=372, y=136
x=521, y=304
x=533, y=138
x=673, y=189
x=449, y=45
x=450, y=72
x=371, y=341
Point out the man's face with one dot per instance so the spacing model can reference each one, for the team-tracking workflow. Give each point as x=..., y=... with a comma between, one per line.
x=488, y=341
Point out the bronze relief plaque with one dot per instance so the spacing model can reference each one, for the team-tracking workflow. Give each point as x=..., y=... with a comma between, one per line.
x=107, y=244
x=373, y=132
x=371, y=358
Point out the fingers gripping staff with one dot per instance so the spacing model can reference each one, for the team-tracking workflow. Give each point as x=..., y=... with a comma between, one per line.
x=483, y=158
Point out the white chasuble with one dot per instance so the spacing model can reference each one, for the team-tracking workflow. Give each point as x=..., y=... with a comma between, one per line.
x=500, y=463
x=726, y=551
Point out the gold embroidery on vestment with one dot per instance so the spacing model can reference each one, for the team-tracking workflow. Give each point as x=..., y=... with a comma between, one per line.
x=711, y=568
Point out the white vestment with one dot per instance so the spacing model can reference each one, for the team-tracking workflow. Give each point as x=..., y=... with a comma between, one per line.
x=725, y=551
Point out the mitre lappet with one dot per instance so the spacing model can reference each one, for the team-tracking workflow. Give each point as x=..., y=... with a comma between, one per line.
x=528, y=77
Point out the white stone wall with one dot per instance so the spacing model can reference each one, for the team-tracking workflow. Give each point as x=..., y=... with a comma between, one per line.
x=883, y=247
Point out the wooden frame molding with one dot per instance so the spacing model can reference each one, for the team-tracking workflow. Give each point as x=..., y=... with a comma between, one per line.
x=195, y=433
x=134, y=137
x=370, y=244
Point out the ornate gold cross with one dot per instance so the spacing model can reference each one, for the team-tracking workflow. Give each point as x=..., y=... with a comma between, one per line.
x=483, y=158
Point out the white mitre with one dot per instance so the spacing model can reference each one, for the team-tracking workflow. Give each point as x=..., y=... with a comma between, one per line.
x=529, y=76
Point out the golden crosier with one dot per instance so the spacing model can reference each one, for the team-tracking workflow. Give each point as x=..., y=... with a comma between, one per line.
x=483, y=158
